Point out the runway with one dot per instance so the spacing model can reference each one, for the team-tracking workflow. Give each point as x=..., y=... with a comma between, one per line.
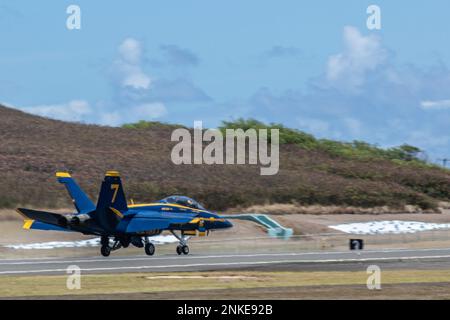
x=423, y=258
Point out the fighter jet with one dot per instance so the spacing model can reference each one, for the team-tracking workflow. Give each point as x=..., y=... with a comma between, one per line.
x=120, y=224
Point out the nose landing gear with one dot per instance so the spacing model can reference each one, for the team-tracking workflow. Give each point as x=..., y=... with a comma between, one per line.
x=182, y=248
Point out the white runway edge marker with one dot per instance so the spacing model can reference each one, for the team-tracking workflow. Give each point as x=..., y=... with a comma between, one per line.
x=80, y=244
x=389, y=227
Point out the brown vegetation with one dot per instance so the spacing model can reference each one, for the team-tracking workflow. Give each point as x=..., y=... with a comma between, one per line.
x=32, y=149
x=293, y=208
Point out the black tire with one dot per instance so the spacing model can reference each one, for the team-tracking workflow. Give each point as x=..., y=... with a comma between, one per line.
x=105, y=251
x=185, y=250
x=150, y=249
x=179, y=250
x=104, y=241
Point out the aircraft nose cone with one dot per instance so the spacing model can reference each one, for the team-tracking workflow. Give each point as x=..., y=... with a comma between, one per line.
x=227, y=224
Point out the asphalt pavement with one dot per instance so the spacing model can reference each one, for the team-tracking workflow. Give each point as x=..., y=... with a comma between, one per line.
x=344, y=260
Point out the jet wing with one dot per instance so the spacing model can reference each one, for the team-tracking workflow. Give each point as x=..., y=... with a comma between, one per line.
x=143, y=222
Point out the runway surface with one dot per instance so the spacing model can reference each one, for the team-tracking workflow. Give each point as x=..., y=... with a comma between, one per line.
x=421, y=258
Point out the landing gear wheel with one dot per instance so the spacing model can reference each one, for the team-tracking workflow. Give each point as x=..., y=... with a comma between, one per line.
x=185, y=250
x=104, y=241
x=149, y=249
x=105, y=251
x=179, y=250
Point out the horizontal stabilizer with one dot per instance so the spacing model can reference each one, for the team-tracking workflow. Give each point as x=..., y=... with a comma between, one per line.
x=36, y=225
x=42, y=216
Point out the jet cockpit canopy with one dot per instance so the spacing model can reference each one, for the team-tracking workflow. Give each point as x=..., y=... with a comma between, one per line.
x=183, y=201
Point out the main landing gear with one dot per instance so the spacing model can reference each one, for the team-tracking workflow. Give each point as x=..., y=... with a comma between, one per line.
x=182, y=248
x=139, y=242
x=105, y=251
x=149, y=247
x=106, y=248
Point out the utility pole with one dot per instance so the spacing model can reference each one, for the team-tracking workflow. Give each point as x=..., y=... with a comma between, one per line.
x=444, y=162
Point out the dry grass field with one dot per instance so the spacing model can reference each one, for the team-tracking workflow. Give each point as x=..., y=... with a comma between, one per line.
x=396, y=284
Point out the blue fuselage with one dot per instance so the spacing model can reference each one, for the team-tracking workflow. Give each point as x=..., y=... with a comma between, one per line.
x=167, y=216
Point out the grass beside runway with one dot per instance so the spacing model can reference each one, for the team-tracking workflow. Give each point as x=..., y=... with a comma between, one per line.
x=221, y=283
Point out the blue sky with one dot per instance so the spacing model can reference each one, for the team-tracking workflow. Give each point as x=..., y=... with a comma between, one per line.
x=312, y=65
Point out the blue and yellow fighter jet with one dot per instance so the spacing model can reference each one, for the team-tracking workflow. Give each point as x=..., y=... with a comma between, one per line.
x=120, y=224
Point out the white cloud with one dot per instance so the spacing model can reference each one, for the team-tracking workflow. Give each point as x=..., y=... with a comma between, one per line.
x=81, y=111
x=147, y=111
x=111, y=118
x=315, y=126
x=435, y=105
x=129, y=65
x=331, y=129
x=75, y=110
x=428, y=138
x=362, y=54
x=131, y=51
x=135, y=78
x=131, y=103
x=365, y=95
x=354, y=126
